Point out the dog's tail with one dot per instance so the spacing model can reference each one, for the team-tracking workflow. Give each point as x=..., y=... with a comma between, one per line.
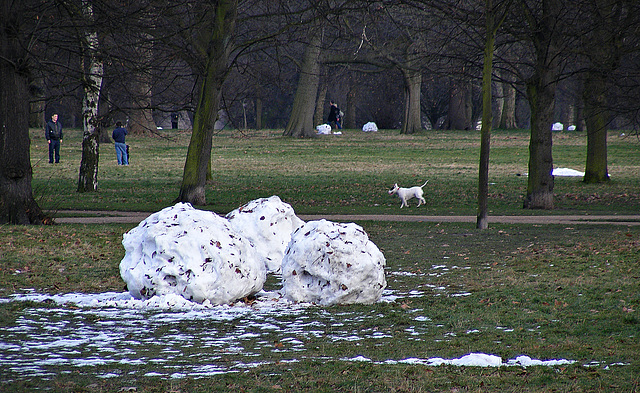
x=425, y=183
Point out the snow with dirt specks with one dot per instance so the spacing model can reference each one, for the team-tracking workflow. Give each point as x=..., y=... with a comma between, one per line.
x=268, y=224
x=191, y=253
x=332, y=263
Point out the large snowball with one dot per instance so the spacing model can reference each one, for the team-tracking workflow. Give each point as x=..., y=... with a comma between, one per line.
x=332, y=263
x=191, y=253
x=268, y=224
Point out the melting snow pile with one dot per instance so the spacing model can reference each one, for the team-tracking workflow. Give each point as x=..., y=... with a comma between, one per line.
x=208, y=259
x=332, y=263
x=323, y=129
x=370, y=127
x=192, y=253
x=267, y=222
x=566, y=172
x=475, y=360
x=559, y=127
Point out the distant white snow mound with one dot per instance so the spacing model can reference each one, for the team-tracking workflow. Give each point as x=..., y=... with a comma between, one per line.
x=567, y=172
x=268, y=224
x=370, y=127
x=192, y=253
x=324, y=129
x=332, y=263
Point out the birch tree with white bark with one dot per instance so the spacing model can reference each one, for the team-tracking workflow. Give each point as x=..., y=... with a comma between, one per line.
x=93, y=72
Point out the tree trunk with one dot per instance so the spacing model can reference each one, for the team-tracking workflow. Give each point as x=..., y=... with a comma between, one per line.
x=88, y=176
x=350, y=111
x=104, y=121
x=482, y=221
x=258, y=113
x=459, y=114
x=197, y=163
x=605, y=50
x=17, y=205
x=217, y=46
x=141, y=117
x=36, y=117
x=508, y=115
x=596, y=115
x=301, y=121
x=412, y=85
x=498, y=105
x=541, y=93
x=581, y=126
x=318, y=117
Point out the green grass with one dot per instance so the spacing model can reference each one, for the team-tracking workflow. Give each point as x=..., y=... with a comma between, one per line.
x=547, y=291
x=340, y=174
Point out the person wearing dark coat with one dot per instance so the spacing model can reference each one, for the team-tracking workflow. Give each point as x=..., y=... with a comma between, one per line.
x=334, y=115
x=53, y=134
x=118, y=136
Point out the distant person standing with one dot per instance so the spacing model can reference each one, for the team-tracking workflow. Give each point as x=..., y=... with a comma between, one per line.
x=174, y=120
x=334, y=115
x=118, y=136
x=53, y=134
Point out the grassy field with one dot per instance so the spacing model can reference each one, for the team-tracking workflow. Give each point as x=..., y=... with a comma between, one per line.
x=546, y=291
x=340, y=174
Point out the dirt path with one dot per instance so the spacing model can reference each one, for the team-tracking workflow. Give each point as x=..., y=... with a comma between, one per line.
x=105, y=217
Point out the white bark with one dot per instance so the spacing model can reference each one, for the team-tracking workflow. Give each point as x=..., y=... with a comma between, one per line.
x=93, y=75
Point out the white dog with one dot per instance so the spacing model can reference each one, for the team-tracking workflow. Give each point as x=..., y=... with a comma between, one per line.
x=407, y=193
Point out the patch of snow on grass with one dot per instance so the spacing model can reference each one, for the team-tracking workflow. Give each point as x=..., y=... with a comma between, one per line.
x=567, y=172
x=109, y=329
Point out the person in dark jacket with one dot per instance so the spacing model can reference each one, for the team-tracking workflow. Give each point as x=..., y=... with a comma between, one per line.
x=334, y=115
x=53, y=134
x=118, y=136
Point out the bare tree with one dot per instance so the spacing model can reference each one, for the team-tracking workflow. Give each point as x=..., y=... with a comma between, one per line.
x=211, y=43
x=395, y=36
x=494, y=16
x=385, y=36
x=607, y=24
x=542, y=22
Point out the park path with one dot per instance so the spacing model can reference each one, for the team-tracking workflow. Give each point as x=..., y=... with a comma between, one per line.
x=105, y=217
